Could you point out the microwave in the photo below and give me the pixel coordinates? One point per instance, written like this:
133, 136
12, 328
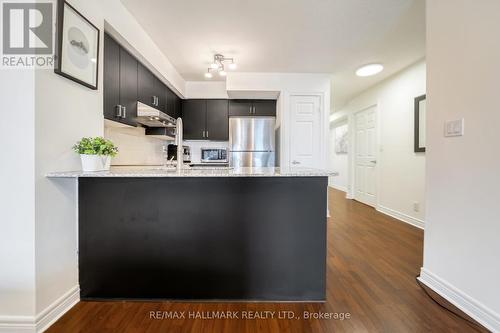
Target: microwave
214, 155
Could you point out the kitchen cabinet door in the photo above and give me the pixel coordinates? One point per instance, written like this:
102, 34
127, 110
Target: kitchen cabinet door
217, 120
111, 76
161, 98
194, 118
240, 107
178, 106
146, 86
128, 87
170, 103
262, 107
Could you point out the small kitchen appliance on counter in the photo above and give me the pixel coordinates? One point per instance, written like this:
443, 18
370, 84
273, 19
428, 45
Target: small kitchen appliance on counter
172, 153
213, 157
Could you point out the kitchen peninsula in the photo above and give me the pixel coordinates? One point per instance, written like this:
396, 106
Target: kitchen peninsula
255, 234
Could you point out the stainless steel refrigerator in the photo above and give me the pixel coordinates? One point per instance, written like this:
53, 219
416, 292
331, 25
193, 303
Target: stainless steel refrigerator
252, 141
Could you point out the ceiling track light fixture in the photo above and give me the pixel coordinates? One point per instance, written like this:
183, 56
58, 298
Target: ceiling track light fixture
218, 66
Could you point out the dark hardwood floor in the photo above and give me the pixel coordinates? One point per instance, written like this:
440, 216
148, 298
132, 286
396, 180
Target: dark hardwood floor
372, 263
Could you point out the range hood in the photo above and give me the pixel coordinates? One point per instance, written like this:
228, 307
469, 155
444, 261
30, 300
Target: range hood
151, 117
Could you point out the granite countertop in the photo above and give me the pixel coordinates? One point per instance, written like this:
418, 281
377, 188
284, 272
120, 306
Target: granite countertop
145, 172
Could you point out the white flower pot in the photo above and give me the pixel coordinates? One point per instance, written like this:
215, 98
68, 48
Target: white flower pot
95, 162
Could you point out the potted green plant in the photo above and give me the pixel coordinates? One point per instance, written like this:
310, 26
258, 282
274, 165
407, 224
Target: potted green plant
95, 153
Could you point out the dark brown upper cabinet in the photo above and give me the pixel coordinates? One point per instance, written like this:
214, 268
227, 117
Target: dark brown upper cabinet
194, 119
120, 83
127, 81
146, 86
206, 119
111, 78
264, 107
240, 107
173, 103
247, 107
159, 92
217, 128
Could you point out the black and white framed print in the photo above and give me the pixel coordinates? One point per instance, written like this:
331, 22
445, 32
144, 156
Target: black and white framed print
77, 51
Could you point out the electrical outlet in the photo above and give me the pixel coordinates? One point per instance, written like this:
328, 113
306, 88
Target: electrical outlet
416, 206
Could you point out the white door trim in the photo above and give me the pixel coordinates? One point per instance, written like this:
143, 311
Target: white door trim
352, 153
324, 128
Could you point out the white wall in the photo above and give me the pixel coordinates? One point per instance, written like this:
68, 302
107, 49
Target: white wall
261, 85
394, 97
42, 216
206, 89
339, 162
462, 247
17, 194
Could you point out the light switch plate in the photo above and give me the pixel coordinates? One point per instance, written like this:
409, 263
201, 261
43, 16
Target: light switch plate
454, 128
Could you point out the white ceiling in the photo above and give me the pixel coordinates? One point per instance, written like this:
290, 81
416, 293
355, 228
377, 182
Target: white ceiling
316, 36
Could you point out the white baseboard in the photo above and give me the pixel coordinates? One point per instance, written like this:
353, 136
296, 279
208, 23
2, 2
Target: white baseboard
464, 302
337, 187
59, 307
38, 324
401, 216
17, 324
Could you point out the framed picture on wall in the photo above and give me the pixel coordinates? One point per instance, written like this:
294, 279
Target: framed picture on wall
77, 48
341, 140
420, 115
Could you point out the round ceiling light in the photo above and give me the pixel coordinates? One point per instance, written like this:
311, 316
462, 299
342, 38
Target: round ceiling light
208, 75
369, 70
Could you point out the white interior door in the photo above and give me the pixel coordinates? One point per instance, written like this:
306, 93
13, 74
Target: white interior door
305, 136
366, 157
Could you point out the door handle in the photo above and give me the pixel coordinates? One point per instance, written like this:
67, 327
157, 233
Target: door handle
295, 162
118, 111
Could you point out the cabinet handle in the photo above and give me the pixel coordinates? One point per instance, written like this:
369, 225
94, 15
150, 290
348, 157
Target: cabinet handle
118, 111
124, 113
203, 134
251, 110
207, 134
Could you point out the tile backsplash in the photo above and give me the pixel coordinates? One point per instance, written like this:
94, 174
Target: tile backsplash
135, 148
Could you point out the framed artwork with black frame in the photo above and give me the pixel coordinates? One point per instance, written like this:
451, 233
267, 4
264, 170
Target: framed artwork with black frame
77, 47
420, 115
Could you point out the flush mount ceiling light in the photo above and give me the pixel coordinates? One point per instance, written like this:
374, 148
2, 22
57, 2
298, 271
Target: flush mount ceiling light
218, 66
369, 70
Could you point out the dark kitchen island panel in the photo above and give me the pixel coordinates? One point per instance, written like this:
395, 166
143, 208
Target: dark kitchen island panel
210, 238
